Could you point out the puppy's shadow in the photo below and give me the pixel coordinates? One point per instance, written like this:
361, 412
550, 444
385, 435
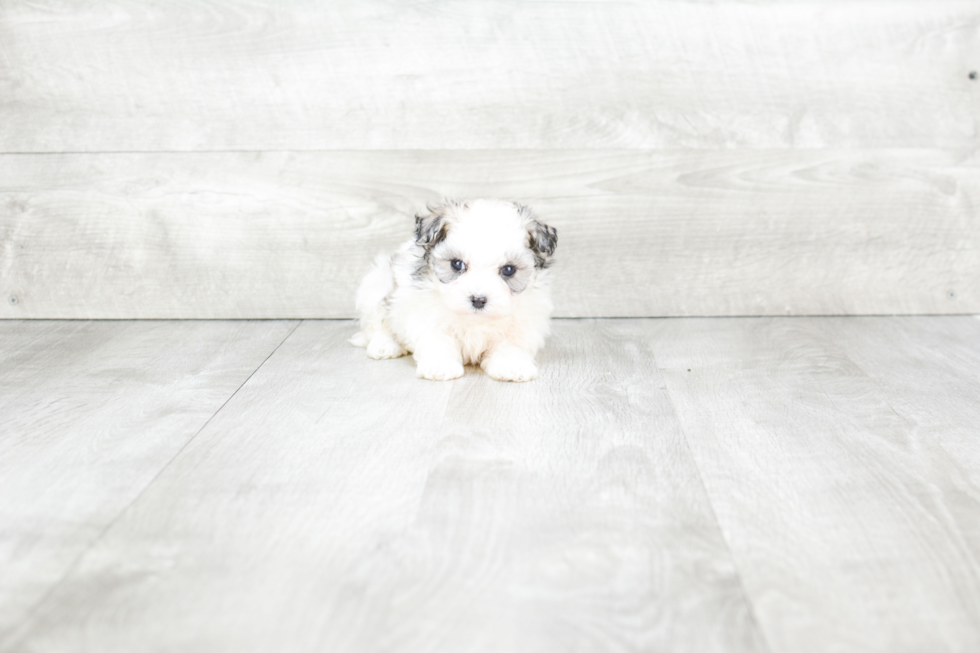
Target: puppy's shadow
473, 370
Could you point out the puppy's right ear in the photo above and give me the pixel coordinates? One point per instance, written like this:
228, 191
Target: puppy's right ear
432, 226
429, 229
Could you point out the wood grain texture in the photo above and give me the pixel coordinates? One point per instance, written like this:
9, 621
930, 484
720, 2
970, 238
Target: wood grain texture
849, 499
222, 75
340, 504
930, 370
89, 415
680, 233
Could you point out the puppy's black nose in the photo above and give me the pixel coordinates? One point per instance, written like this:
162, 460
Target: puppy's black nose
478, 302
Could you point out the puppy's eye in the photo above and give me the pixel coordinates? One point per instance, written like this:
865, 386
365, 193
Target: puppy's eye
508, 270
458, 265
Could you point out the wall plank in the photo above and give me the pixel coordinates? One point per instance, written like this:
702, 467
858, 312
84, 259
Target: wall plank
130, 75
286, 235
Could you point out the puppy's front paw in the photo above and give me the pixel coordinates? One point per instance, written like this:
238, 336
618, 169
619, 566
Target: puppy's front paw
512, 365
438, 370
384, 346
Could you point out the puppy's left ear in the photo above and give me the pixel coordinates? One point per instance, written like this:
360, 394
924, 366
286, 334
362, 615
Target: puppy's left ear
542, 239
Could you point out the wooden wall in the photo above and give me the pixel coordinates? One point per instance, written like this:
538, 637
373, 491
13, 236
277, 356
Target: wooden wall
212, 159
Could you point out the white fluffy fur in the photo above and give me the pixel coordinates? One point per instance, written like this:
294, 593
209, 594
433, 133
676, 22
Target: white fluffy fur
414, 301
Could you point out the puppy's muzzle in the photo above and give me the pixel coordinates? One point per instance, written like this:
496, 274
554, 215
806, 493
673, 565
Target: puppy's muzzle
478, 302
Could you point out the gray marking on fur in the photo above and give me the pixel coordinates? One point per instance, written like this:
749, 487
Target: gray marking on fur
441, 263
524, 266
432, 227
542, 240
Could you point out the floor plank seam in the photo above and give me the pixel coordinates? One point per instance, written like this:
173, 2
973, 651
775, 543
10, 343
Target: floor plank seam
714, 514
28, 617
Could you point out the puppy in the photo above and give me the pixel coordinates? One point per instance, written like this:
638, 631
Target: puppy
471, 287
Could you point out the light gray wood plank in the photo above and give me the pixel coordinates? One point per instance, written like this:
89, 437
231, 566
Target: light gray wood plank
89, 415
221, 75
930, 369
340, 504
853, 527
287, 235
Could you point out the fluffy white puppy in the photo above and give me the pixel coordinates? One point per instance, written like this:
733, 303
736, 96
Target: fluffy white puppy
470, 288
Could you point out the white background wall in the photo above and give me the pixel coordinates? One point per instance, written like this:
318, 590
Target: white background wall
247, 159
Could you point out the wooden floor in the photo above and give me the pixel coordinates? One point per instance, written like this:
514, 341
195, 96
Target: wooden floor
749, 484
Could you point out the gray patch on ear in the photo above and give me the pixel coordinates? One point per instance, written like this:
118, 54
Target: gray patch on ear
542, 239
430, 229
432, 226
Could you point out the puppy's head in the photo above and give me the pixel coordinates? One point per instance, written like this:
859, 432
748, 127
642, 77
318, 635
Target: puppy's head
483, 253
